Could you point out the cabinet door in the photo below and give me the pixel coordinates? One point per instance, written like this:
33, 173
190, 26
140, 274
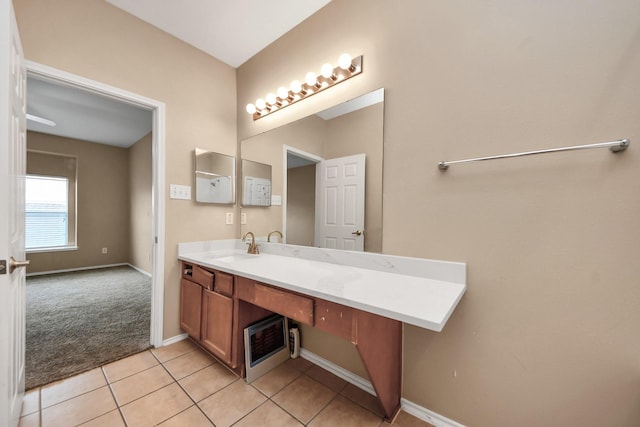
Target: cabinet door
190, 308
217, 316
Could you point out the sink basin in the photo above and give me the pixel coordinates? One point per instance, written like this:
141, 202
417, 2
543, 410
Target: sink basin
231, 256
236, 257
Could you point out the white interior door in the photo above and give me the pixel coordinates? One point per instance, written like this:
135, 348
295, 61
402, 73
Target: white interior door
12, 170
340, 203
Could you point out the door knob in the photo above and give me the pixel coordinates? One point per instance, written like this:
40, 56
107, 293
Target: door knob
357, 233
13, 264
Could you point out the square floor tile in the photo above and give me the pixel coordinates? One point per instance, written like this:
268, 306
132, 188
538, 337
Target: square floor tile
110, 419
276, 379
362, 398
156, 407
129, 365
207, 381
31, 420
192, 417
345, 413
302, 365
80, 409
188, 363
304, 398
268, 415
231, 403
71, 387
326, 378
174, 350
31, 402
140, 384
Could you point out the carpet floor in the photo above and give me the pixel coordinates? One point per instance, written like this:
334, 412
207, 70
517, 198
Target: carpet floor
80, 320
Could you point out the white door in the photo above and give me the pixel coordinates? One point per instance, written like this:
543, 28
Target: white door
12, 170
340, 203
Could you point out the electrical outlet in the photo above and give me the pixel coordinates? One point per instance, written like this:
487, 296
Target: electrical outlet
243, 218
229, 218
105, 250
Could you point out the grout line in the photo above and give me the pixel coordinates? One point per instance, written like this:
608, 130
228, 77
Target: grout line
186, 392
115, 400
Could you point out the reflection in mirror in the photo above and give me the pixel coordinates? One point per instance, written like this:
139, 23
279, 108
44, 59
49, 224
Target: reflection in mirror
294, 150
256, 183
215, 175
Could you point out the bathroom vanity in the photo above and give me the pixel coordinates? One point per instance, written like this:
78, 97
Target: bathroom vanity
361, 297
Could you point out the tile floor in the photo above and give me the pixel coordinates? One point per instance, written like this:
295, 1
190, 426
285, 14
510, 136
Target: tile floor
180, 385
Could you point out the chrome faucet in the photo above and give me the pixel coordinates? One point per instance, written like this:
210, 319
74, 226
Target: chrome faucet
274, 231
253, 248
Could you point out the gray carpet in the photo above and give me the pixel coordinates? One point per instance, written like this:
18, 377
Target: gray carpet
80, 320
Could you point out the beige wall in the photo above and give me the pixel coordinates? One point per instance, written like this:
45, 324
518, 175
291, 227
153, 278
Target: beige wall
95, 40
140, 200
547, 333
102, 203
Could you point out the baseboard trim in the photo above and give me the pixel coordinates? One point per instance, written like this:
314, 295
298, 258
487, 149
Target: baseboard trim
338, 371
427, 415
409, 407
69, 270
139, 270
175, 339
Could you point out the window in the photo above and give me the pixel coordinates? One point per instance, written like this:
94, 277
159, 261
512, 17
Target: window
50, 195
46, 212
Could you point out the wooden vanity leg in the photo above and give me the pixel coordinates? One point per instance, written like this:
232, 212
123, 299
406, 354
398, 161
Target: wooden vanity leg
379, 343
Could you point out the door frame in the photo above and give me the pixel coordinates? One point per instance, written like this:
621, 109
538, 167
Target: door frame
286, 149
158, 175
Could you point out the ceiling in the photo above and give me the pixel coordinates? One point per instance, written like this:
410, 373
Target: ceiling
81, 114
231, 31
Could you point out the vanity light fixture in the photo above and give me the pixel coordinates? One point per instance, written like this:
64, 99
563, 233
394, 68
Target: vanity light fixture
329, 76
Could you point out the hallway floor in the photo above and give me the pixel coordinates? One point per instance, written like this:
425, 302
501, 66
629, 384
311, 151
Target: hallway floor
180, 385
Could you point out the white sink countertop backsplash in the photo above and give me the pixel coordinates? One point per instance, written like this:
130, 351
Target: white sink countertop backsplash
421, 292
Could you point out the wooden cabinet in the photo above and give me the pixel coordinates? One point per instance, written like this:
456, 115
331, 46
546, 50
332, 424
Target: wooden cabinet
334, 318
190, 308
216, 307
289, 304
206, 309
217, 328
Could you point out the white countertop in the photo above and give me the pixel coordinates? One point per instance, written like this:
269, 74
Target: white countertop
417, 291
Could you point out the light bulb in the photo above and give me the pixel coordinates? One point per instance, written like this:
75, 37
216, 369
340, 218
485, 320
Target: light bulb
271, 98
327, 71
260, 104
345, 62
251, 109
310, 78
283, 92
296, 87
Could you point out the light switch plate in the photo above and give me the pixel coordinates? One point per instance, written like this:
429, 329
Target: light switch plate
243, 218
276, 200
180, 192
229, 218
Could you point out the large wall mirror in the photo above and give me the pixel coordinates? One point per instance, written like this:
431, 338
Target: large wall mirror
215, 175
295, 152
256, 183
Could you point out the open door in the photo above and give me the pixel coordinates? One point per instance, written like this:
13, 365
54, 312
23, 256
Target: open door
340, 203
12, 171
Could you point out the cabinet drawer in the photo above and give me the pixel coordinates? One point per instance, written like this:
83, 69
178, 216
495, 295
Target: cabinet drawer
333, 318
287, 303
223, 284
202, 277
